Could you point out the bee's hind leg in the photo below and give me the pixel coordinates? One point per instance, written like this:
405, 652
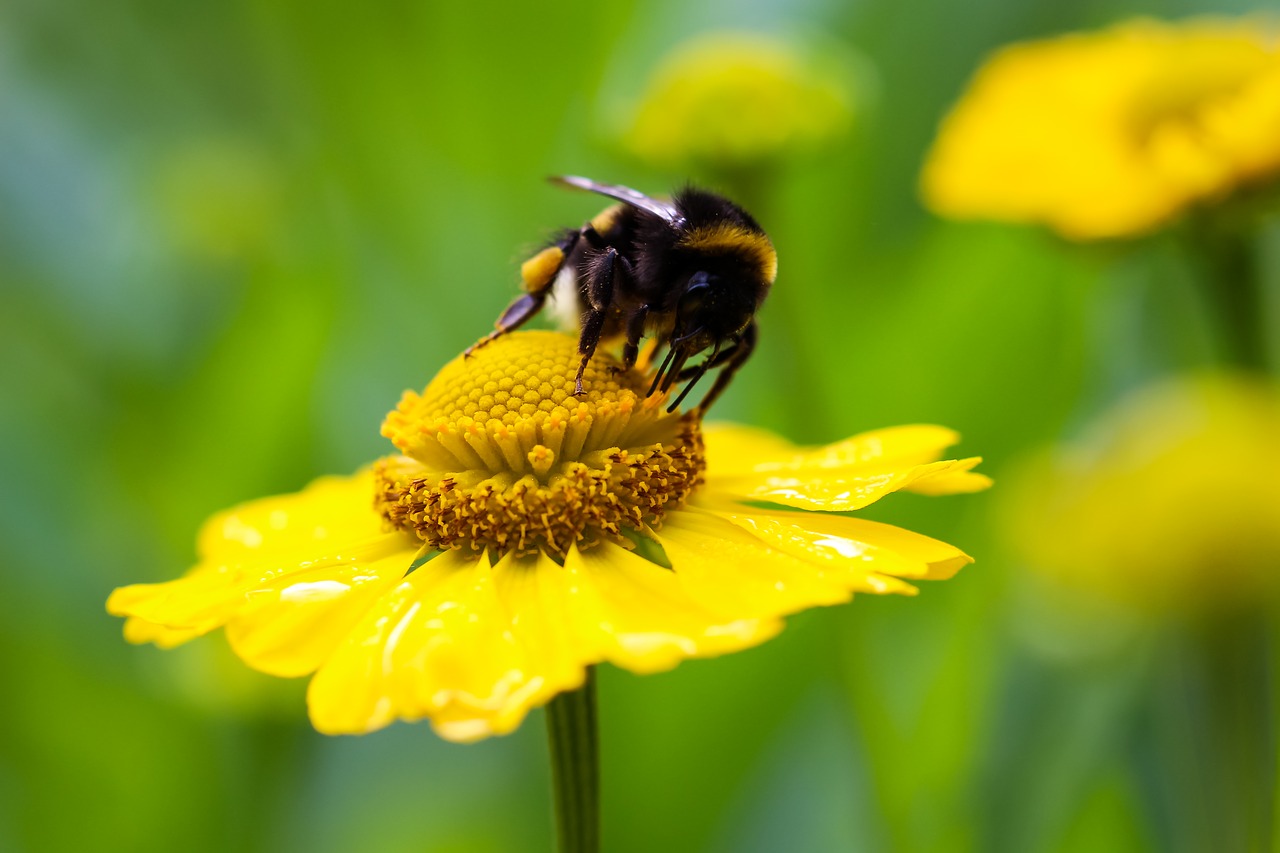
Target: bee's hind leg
537, 276
517, 314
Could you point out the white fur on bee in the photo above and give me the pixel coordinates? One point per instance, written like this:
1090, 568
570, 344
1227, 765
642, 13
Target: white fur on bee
565, 307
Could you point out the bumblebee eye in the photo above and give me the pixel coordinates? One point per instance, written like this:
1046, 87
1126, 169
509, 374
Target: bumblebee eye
695, 295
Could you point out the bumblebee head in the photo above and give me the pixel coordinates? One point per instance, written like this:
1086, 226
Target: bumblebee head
712, 309
724, 266
712, 313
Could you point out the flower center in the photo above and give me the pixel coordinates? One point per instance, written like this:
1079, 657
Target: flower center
499, 454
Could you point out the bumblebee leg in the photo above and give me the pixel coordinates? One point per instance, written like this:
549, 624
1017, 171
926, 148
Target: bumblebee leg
517, 314
635, 330
600, 297
718, 359
740, 352
538, 276
698, 373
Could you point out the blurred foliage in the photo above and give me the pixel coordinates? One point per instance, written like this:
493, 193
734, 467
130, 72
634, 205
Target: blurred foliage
231, 234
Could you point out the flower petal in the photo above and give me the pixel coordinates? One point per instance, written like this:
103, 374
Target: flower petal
329, 511
956, 479
721, 566
900, 446
873, 553
838, 492
838, 477
736, 449
475, 648
195, 604
640, 616
263, 545
288, 625
437, 645
140, 631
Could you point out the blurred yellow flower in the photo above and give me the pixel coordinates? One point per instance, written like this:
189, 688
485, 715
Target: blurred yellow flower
1169, 502
731, 100
476, 576
1113, 133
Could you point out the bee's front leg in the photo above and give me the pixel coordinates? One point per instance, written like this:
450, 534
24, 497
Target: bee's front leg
737, 356
635, 330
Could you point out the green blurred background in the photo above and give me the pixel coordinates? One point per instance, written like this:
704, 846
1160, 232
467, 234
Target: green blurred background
232, 233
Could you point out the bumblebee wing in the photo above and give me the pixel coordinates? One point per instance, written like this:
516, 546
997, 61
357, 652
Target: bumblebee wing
662, 209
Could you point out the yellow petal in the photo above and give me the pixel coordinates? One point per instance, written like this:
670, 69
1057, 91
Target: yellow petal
602, 604
865, 548
196, 603
736, 449
640, 616
545, 601
901, 446
838, 491
329, 511
953, 480
260, 546
474, 648
838, 477
723, 567
289, 624
141, 631
436, 645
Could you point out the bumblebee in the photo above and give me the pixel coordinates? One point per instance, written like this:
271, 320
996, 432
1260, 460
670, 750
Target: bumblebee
690, 272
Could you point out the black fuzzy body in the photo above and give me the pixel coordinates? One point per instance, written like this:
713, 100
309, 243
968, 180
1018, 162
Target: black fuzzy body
690, 273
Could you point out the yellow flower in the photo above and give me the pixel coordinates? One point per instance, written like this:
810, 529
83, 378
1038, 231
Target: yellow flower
475, 576
1171, 502
1114, 133
729, 100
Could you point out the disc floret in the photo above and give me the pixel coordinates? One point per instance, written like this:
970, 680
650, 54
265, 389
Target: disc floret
499, 454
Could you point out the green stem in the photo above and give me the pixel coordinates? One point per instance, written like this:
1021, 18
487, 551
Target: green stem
575, 767
1241, 734
1236, 288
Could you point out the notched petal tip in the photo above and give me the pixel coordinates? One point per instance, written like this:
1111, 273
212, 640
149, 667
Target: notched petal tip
943, 570
842, 476
868, 556
140, 632
956, 479
197, 602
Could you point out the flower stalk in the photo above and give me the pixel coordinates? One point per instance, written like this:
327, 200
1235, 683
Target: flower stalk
573, 737
1236, 289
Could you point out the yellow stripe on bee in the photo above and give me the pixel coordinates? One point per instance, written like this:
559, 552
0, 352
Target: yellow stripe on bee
727, 237
604, 220
539, 271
